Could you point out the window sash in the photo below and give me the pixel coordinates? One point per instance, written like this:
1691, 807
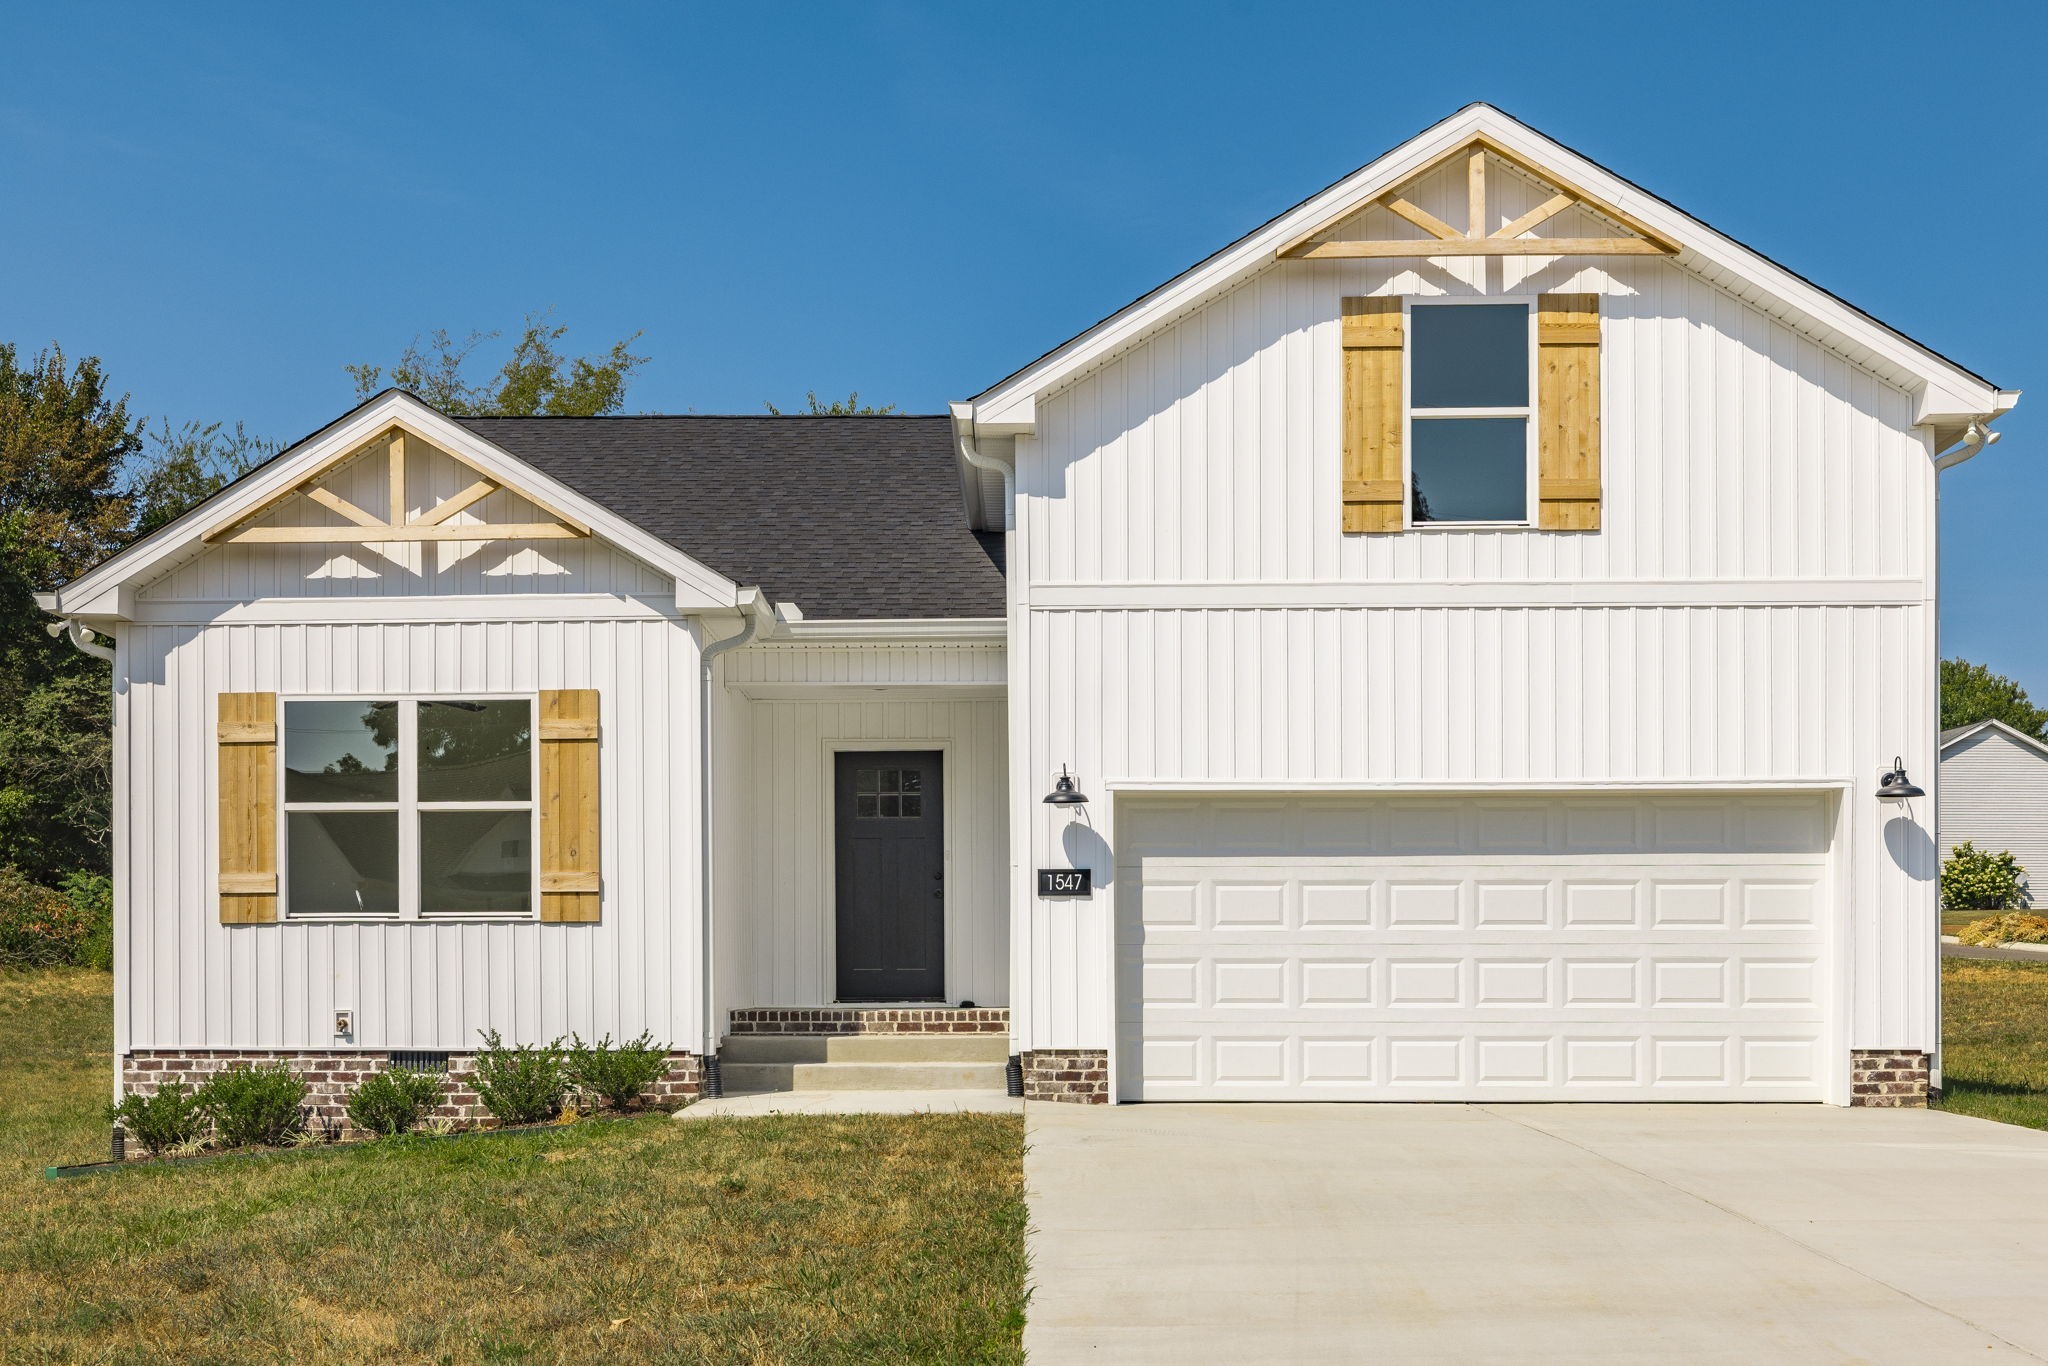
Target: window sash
409, 809
1412, 414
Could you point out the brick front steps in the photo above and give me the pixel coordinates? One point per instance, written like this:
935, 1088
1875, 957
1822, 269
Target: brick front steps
868, 1020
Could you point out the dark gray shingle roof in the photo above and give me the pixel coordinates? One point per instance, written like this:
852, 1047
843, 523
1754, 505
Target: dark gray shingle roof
848, 517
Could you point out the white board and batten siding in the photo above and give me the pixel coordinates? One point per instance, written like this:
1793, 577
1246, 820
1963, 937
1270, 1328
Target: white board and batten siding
1193, 619
246, 618
1994, 794
789, 709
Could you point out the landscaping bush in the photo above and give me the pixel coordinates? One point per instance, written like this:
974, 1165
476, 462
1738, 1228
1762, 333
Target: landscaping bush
1972, 880
2014, 927
395, 1100
251, 1105
92, 902
164, 1122
41, 928
617, 1073
522, 1085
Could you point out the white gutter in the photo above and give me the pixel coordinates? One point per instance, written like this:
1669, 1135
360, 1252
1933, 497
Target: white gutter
754, 611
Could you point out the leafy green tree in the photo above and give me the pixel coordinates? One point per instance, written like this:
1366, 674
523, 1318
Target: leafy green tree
850, 406
188, 465
1971, 693
536, 379
64, 442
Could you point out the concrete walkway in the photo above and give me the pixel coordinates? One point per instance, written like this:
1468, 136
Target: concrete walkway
1599, 1233
850, 1103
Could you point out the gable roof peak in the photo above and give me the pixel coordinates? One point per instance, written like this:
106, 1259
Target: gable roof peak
1949, 396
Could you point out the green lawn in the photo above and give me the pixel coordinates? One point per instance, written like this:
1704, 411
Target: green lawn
801, 1238
1995, 1040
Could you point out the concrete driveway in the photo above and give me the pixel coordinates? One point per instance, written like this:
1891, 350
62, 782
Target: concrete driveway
1592, 1233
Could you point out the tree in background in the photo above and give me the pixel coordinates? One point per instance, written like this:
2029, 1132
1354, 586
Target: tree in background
850, 406
1971, 693
536, 379
64, 439
79, 478
188, 465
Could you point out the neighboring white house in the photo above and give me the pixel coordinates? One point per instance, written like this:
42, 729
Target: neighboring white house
1477, 606
1994, 794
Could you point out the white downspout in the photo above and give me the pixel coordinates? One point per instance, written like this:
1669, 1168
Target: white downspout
753, 605
1015, 721
82, 637
1976, 437
973, 455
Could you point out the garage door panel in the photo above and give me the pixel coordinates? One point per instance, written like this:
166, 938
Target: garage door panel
1510, 948
1415, 1061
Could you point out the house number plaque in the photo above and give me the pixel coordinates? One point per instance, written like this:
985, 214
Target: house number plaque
1062, 883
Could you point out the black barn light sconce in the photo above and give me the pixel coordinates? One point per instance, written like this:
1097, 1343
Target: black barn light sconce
1064, 793
1892, 786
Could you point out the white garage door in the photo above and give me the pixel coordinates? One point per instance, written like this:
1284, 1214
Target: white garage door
1534, 948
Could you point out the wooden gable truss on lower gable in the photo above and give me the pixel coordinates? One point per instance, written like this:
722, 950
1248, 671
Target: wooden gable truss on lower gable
395, 522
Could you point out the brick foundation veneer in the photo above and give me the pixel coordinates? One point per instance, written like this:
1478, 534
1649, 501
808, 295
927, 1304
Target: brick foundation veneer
1889, 1078
330, 1075
869, 1020
1079, 1076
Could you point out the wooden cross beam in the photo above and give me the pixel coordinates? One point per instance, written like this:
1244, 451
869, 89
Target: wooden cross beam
365, 528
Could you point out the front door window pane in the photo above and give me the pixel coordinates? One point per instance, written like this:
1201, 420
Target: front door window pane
341, 751
342, 862
476, 751
1469, 469
476, 861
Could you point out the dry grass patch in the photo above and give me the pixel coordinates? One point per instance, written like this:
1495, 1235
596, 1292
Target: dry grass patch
1995, 1040
786, 1238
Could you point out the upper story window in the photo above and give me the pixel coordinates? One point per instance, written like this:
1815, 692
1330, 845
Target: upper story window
409, 807
1468, 413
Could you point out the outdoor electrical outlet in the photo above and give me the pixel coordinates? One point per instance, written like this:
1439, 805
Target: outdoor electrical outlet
344, 1023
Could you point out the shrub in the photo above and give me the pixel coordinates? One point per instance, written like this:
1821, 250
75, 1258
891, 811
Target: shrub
92, 902
394, 1101
522, 1085
38, 927
1972, 880
168, 1121
2014, 927
617, 1074
254, 1105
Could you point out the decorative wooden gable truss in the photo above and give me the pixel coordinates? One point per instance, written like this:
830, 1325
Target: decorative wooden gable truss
396, 521
1474, 239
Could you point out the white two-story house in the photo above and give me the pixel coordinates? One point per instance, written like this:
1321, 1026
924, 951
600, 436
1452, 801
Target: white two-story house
1477, 606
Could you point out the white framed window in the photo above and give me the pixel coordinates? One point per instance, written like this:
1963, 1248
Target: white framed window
1470, 399
408, 807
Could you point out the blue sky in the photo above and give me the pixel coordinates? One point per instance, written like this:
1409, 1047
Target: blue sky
227, 203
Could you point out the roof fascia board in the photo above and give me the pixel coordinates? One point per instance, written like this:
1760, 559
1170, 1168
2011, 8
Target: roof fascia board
1997, 727
697, 585
1945, 389
921, 630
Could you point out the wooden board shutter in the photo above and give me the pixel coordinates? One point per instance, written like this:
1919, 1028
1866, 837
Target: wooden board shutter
569, 888
1373, 486
1568, 412
246, 739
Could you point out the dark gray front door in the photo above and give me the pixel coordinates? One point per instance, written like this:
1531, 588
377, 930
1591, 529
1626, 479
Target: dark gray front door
891, 878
